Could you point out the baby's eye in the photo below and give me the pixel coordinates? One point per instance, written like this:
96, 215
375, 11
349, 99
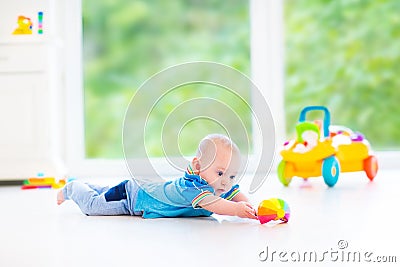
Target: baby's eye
232, 177
220, 173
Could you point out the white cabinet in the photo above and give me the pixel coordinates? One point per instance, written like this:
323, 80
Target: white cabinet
30, 120
27, 111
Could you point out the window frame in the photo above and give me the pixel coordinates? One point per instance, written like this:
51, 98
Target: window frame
267, 72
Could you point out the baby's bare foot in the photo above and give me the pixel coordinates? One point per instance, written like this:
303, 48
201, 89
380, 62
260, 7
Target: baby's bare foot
60, 197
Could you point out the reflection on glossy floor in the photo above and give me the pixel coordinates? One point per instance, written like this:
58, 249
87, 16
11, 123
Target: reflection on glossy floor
355, 217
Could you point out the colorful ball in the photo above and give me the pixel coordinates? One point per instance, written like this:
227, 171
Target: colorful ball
273, 209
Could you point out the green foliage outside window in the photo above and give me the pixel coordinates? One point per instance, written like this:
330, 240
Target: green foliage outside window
340, 53
345, 54
128, 41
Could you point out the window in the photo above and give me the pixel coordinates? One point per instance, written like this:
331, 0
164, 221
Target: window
331, 58
127, 41
251, 30
344, 55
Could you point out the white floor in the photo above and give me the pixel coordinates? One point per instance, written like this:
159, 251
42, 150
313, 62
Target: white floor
34, 231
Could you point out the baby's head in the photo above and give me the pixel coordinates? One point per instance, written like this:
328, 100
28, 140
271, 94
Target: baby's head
217, 161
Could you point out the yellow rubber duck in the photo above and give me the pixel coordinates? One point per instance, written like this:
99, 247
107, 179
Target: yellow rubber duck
24, 25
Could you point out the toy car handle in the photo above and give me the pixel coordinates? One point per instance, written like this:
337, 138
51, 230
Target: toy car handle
327, 117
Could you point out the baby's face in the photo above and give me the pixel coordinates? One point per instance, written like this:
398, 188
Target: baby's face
221, 172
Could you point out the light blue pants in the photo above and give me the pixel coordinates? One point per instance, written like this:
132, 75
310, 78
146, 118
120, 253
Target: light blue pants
100, 200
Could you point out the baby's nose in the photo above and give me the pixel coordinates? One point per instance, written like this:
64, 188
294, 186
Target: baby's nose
224, 181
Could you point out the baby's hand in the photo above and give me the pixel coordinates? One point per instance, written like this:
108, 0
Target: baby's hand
245, 210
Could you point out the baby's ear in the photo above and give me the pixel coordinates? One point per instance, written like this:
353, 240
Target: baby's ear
196, 165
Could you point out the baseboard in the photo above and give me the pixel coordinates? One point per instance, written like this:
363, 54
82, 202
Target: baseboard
11, 182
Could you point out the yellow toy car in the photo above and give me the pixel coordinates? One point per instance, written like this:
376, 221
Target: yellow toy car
325, 150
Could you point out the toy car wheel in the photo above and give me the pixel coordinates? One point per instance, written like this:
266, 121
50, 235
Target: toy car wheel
281, 174
330, 170
371, 167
